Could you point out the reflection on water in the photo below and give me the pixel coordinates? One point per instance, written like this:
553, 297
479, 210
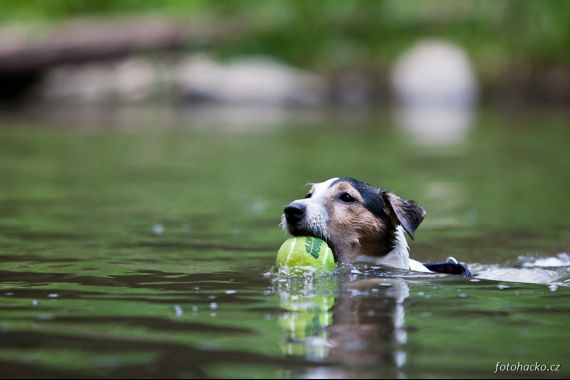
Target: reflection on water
308, 304
344, 319
140, 251
353, 324
369, 326
435, 124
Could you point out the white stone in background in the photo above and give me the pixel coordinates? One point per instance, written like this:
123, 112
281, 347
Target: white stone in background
437, 90
136, 79
251, 81
435, 72
125, 81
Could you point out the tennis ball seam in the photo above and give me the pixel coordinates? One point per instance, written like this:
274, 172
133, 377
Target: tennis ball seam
326, 255
291, 250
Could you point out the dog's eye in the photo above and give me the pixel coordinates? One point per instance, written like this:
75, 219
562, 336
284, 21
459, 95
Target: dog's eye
346, 197
309, 195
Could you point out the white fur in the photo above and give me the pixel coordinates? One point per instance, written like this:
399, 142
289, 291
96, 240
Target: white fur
320, 189
316, 213
416, 266
399, 256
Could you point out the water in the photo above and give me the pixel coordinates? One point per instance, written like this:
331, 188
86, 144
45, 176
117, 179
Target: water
142, 246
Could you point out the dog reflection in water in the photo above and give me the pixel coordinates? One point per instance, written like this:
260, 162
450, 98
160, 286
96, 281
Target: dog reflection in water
356, 323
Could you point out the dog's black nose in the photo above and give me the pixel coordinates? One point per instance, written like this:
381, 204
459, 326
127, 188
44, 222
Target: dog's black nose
294, 212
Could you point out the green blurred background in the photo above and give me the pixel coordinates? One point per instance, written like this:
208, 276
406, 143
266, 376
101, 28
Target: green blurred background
327, 33
522, 46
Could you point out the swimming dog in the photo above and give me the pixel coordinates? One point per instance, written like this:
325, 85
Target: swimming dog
361, 222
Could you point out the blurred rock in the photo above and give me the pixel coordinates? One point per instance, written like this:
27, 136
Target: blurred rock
435, 72
255, 80
437, 90
194, 79
127, 81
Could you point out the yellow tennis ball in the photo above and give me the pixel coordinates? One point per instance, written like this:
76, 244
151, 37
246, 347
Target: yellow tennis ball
306, 251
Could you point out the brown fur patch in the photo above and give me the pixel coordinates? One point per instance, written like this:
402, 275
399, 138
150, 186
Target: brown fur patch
354, 230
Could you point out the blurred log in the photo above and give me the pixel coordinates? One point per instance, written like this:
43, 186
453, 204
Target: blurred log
26, 56
89, 40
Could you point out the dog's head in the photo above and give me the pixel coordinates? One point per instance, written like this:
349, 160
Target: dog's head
353, 217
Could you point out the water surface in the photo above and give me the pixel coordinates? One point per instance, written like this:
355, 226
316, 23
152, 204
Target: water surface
143, 247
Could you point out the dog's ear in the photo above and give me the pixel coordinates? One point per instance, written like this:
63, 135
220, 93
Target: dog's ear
408, 213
